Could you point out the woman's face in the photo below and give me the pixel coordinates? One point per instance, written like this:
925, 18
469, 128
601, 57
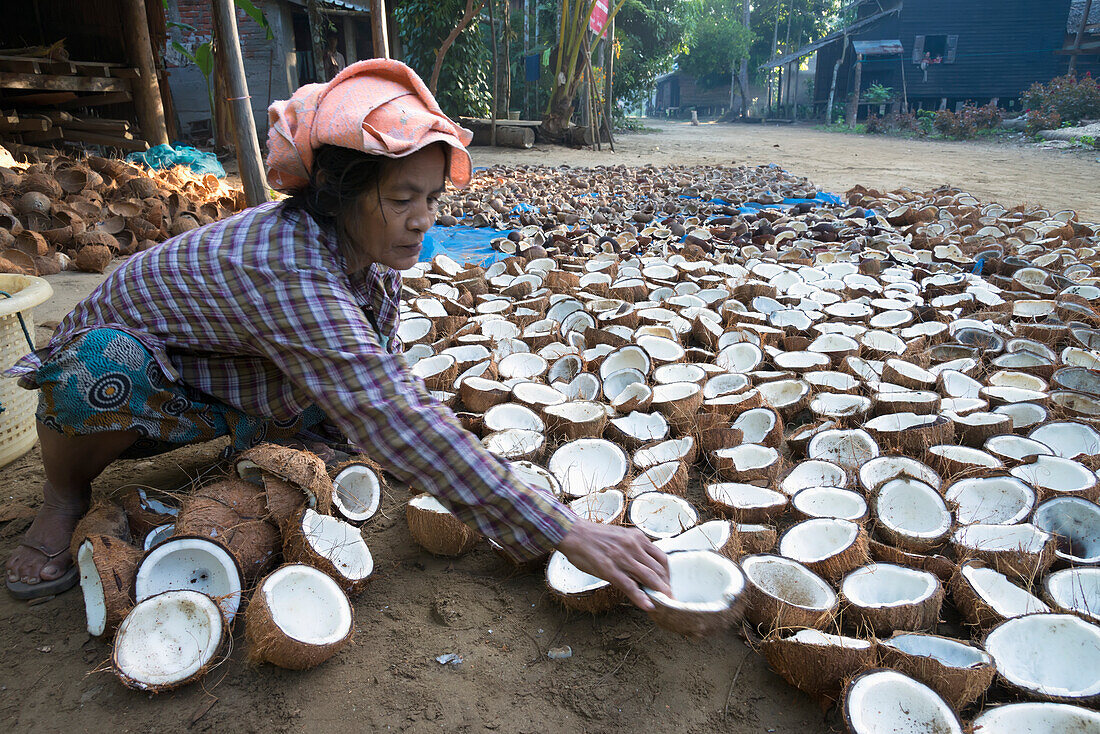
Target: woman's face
389, 222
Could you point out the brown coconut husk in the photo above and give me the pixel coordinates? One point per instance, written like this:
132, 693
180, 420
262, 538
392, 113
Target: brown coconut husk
253, 542
105, 518
240, 496
267, 643
297, 549
116, 562
971, 605
303, 469
595, 601
960, 687
759, 541
839, 564
93, 258
282, 500
479, 401
140, 516
819, 670
696, 625
773, 613
943, 568
439, 534
1012, 563
917, 617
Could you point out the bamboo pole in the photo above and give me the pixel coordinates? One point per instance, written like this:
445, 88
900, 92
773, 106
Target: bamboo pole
496, 79
1079, 36
379, 32
244, 126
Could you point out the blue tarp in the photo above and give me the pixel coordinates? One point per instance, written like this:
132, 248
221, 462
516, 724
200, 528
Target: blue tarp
165, 156
471, 244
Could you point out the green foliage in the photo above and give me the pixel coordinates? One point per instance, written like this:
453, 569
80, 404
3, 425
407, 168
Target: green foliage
714, 43
650, 34
1088, 141
1071, 99
810, 20
1042, 119
878, 94
257, 15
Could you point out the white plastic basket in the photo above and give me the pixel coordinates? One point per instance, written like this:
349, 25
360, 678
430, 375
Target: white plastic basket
17, 425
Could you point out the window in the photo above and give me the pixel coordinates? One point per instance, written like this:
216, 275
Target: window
935, 49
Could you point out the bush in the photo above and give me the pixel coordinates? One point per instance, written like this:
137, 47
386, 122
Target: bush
1071, 99
968, 122
1042, 119
895, 122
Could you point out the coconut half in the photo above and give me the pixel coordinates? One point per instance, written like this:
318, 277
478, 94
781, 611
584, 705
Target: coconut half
715, 535
887, 597
819, 663
986, 597
1037, 718
881, 700
783, 593
194, 564
812, 473
578, 590
957, 671
1068, 439
1076, 591
1054, 476
332, 546
589, 465
843, 504
661, 515
1054, 657
746, 502
996, 500
300, 468
435, 529
1075, 524
167, 640
107, 568
1021, 550
708, 594
607, 507
877, 472
827, 546
912, 515
746, 463
298, 618
850, 449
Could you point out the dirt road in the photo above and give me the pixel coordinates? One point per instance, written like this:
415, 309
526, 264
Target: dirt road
624, 675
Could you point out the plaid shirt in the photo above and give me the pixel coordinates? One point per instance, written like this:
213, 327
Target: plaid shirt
257, 311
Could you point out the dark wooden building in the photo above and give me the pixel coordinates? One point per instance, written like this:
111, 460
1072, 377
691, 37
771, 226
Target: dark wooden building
951, 51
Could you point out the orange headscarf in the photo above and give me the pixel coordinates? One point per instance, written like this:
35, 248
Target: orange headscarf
378, 106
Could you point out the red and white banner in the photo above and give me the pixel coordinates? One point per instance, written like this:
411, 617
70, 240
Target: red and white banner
599, 17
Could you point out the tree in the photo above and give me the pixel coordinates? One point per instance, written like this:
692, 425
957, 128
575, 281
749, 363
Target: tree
650, 34
715, 42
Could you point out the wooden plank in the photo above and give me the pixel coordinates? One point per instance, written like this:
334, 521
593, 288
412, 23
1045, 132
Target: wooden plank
15, 124
44, 136
95, 125
94, 100
125, 142
11, 80
41, 99
468, 121
19, 57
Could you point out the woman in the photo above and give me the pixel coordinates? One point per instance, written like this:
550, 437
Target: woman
283, 318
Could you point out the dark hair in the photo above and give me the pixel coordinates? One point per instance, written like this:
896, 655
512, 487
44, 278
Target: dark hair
340, 176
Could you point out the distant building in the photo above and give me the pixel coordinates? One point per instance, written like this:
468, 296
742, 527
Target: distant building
677, 93
943, 53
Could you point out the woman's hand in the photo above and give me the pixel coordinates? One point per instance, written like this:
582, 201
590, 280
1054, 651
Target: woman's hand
622, 556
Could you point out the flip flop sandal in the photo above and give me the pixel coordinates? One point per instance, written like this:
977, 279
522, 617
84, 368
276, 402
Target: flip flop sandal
45, 587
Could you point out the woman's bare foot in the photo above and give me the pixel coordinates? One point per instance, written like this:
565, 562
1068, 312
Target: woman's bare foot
70, 464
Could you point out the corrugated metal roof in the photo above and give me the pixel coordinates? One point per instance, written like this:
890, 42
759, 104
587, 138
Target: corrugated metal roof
348, 5
832, 37
878, 48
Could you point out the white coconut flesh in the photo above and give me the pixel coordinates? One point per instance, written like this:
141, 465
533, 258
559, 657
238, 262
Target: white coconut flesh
746, 496
1056, 655
813, 473
1015, 448
511, 415
847, 448
1075, 522
789, 581
839, 405
877, 472
741, 357
654, 479
588, 465
661, 515
642, 426
725, 384
584, 386
1056, 474
357, 493
661, 350
307, 605
967, 456
711, 535
340, 543
1037, 718
1023, 415
783, 393
1075, 590
701, 581
95, 603
523, 364
604, 507
534, 475
615, 383
193, 564
629, 357
815, 540
535, 393
952, 653
748, 457
672, 373
912, 508
514, 443
835, 502
880, 585
996, 500
825, 639
1004, 597
1023, 538
957, 385
168, 638
671, 450
900, 422
675, 392
755, 424
158, 535
887, 701
566, 579
1068, 439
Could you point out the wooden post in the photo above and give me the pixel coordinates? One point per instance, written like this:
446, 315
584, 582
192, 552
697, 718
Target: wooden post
316, 39
1077, 39
496, 76
146, 89
244, 126
379, 31
853, 106
608, 84
832, 86
904, 89
350, 48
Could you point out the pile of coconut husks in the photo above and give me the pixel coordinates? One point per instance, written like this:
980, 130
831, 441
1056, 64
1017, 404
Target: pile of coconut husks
79, 213
866, 435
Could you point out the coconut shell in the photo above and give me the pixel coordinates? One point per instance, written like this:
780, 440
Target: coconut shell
104, 518
916, 617
1012, 563
772, 613
696, 625
439, 534
116, 563
759, 541
303, 469
941, 567
254, 543
839, 564
240, 496
93, 258
960, 687
282, 500
267, 643
296, 549
973, 608
819, 670
140, 516
595, 601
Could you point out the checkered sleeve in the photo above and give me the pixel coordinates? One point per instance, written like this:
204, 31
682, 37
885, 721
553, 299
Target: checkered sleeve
311, 327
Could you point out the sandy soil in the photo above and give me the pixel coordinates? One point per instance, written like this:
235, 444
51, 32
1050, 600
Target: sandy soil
624, 675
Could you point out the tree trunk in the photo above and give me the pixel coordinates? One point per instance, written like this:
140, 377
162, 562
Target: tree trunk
317, 38
467, 17
507, 80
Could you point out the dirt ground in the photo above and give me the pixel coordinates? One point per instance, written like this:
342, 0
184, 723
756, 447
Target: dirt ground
624, 674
